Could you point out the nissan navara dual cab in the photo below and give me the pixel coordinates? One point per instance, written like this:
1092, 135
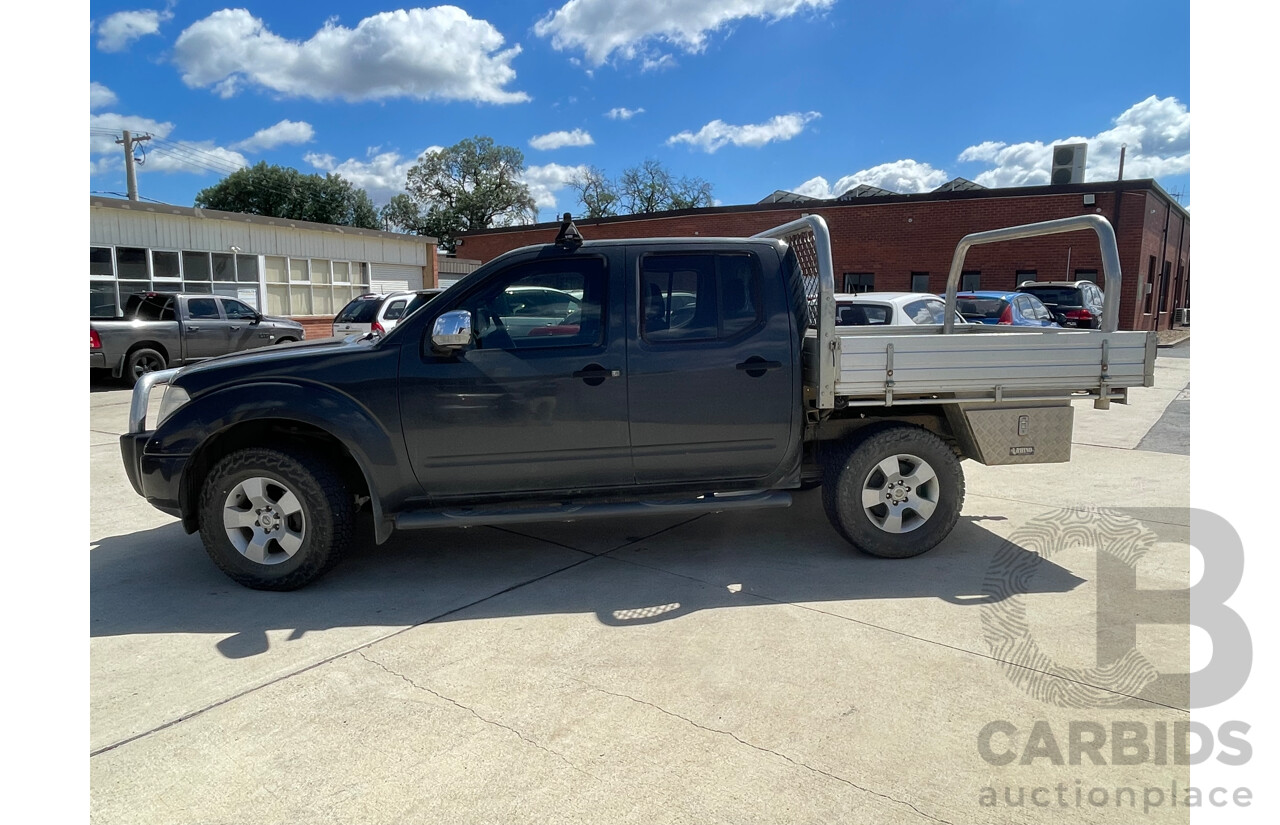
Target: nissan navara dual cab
673, 375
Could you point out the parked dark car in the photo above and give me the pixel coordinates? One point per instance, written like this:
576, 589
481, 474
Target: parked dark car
1073, 303
162, 329
1004, 308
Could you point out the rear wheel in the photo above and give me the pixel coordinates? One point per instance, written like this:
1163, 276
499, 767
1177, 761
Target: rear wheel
895, 493
274, 520
140, 362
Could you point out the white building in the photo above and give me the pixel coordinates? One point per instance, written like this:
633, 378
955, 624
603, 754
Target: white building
282, 267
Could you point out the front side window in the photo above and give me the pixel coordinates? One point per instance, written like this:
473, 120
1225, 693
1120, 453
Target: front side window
557, 303
238, 310
699, 296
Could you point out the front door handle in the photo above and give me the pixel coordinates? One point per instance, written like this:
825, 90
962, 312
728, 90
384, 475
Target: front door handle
593, 375
233, 329
193, 329
755, 366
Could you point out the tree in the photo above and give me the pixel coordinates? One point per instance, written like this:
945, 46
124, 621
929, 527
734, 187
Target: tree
471, 185
597, 194
401, 214
649, 187
282, 192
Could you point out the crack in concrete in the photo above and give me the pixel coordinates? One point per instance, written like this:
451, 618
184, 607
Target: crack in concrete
762, 749
474, 713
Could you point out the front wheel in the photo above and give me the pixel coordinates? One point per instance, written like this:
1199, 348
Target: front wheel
895, 493
274, 520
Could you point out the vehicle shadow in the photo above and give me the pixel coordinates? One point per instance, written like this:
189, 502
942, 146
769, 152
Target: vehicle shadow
633, 572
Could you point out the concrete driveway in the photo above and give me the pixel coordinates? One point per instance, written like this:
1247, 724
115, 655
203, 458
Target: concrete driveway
726, 668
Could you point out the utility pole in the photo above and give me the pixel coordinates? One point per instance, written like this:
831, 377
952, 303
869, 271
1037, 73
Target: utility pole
130, 175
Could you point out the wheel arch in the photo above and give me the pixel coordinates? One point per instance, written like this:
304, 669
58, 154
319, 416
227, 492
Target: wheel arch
310, 419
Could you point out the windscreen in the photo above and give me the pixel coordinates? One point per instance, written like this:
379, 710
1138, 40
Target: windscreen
1058, 296
979, 309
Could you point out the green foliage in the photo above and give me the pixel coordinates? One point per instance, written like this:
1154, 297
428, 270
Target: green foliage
471, 185
401, 214
282, 192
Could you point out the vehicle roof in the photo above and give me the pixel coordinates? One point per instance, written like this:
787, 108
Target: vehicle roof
1056, 283
884, 297
1004, 294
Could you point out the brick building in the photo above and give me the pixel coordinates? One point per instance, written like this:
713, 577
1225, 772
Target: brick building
885, 241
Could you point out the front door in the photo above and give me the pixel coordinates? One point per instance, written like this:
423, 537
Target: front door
713, 389
539, 403
207, 332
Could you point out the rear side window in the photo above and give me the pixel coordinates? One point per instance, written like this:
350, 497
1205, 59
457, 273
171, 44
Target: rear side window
359, 311
396, 309
862, 315
699, 296
926, 311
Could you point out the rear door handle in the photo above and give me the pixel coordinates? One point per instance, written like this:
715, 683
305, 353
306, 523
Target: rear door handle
593, 374
755, 366
193, 329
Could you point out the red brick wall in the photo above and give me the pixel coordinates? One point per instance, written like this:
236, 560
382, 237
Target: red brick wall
892, 240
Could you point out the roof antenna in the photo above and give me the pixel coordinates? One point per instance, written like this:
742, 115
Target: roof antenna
569, 236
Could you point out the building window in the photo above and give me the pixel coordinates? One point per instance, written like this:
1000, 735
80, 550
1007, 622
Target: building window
1164, 288
100, 265
919, 281
1151, 284
970, 281
314, 286
1090, 275
131, 263
224, 266
164, 265
859, 282
195, 266
1022, 276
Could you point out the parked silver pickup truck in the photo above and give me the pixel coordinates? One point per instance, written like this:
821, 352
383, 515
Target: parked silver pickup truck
161, 330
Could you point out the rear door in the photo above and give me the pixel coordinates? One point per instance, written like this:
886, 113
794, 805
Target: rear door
527, 409
712, 385
206, 331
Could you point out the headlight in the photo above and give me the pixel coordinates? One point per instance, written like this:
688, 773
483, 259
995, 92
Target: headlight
174, 397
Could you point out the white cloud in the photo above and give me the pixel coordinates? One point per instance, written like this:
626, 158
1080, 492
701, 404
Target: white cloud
545, 181
100, 96
623, 113
639, 28
116, 32
902, 176
382, 175
1157, 132
439, 53
717, 133
558, 140
284, 132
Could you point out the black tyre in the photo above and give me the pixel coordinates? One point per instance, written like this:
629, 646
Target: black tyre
286, 340
894, 493
140, 362
275, 520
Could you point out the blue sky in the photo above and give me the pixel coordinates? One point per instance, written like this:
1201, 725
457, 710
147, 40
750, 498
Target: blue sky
812, 96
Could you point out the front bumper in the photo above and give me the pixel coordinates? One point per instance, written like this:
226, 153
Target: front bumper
157, 478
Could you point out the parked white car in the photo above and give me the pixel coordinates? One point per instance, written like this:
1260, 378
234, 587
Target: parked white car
890, 309
378, 312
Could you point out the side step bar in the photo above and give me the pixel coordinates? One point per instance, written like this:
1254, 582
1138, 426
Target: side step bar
477, 516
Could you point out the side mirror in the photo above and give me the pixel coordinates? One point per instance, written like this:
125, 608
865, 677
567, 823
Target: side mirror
257, 318
452, 331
